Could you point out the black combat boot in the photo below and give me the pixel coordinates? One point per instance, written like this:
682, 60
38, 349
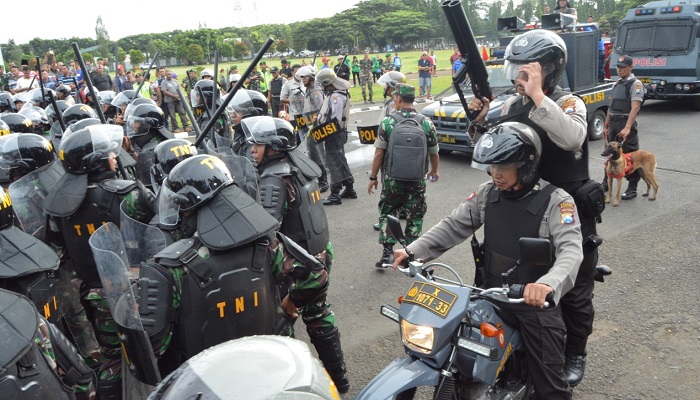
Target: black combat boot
334, 198
387, 256
574, 367
323, 180
331, 354
631, 191
349, 192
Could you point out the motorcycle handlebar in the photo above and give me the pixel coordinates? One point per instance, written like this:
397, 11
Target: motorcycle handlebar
514, 294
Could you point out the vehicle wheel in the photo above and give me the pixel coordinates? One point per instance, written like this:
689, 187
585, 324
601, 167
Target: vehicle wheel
595, 125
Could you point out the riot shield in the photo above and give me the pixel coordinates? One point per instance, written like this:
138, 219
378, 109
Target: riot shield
141, 241
28, 194
112, 265
244, 174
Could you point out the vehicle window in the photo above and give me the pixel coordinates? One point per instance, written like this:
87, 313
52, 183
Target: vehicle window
665, 37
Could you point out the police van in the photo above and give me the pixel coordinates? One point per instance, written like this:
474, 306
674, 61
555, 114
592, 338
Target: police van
580, 77
663, 38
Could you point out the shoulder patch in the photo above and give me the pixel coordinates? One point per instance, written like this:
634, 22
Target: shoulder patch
566, 212
569, 105
638, 86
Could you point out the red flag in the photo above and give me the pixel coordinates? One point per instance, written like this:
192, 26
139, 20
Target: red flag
484, 53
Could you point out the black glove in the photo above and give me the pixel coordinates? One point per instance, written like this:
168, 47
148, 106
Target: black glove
147, 198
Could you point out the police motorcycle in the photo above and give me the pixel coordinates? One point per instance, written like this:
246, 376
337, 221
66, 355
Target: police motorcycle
457, 338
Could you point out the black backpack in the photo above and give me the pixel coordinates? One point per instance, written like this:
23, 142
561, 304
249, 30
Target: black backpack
406, 158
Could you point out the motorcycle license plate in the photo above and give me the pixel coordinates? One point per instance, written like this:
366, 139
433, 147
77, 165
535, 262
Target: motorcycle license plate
431, 297
447, 138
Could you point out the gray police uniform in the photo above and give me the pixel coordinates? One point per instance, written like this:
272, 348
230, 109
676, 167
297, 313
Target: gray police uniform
335, 105
553, 217
560, 121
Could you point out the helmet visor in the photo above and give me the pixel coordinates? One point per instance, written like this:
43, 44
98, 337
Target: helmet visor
9, 152
259, 129
511, 70
168, 206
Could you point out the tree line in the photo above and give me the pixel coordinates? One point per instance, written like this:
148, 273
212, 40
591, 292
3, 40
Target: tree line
370, 24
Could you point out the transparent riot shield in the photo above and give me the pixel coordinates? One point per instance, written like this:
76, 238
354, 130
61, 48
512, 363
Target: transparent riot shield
113, 266
244, 174
28, 194
141, 241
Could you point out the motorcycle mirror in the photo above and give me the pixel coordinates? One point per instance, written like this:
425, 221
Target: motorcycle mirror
535, 252
395, 229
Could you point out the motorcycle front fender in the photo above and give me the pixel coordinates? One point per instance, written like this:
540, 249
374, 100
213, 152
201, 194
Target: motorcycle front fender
402, 374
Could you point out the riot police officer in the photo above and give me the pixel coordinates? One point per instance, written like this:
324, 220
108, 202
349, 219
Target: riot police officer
290, 193
36, 360
85, 197
166, 155
336, 109
223, 228
245, 104
18, 123
536, 61
511, 206
145, 128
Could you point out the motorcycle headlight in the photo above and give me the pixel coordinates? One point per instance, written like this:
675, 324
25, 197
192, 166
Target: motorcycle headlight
417, 337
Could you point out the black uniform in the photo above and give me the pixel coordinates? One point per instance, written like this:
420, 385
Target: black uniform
275, 87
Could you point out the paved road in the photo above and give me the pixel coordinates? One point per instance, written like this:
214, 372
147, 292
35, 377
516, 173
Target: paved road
647, 329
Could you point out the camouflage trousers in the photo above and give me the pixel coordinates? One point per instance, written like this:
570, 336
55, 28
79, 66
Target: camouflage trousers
366, 80
317, 315
106, 330
398, 195
74, 315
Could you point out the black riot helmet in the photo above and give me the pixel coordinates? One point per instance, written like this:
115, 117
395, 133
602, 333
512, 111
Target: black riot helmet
207, 87
124, 98
167, 155
7, 214
18, 123
83, 123
6, 103
51, 112
274, 132
87, 150
510, 143
145, 118
194, 181
38, 117
543, 46
23, 153
246, 103
136, 102
62, 92
76, 112
37, 98
4, 128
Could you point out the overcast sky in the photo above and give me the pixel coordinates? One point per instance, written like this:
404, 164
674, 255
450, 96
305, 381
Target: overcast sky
57, 20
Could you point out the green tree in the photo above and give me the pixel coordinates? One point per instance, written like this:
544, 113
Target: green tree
195, 53
240, 50
136, 56
226, 50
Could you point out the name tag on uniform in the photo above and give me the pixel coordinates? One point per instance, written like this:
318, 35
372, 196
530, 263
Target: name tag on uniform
368, 134
325, 131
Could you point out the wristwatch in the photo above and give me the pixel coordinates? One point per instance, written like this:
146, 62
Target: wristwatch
372, 178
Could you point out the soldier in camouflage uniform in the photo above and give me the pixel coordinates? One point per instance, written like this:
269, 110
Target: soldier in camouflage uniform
3, 78
388, 64
366, 71
398, 194
189, 81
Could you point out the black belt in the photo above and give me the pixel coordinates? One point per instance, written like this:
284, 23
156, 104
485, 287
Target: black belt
616, 117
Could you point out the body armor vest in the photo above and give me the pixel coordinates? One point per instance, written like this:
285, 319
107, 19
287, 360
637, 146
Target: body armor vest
99, 206
622, 97
502, 236
230, 294
557, 166
305, 221
26, 375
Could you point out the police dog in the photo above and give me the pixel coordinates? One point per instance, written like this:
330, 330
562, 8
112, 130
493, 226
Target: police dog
620, 164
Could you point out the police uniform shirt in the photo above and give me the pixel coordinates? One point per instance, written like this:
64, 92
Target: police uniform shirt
560, 224
636, 89
291, 90
564, 120
336, 106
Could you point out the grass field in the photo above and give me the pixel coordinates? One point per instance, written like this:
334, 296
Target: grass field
409, 67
